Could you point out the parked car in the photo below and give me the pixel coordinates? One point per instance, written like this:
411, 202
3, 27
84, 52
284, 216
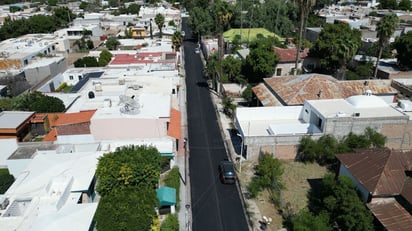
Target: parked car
227, 172
197, 50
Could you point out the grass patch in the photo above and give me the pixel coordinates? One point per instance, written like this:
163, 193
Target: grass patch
295, 179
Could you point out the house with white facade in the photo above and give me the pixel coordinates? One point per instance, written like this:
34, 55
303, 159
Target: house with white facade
278, 130
54, 189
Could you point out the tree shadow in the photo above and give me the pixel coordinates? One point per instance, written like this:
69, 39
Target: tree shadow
202, 84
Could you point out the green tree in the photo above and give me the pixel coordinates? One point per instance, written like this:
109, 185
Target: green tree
83, 5
105, 57
86, 62
247, 94
229, 107
52, 2
231, 68
304, 7
126, 209
376, 139
63, 16
404, 5
222, 13
306, 221
42, 24
403, 46
388, 4
261, 61
200, 21
171, 223
386, 27
160, 22
339, 198
37, 102
336, 46
131, 166
133, 9
5, 104
177, 40
268, 174
112, 43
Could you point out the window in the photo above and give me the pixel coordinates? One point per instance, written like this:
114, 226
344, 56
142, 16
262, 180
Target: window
80, 77
278, 71
53, 47
71, 77
26, 62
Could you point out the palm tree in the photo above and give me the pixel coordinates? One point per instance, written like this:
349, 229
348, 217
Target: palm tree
223, 15
385, 28
160, 21
305, 6
177, 40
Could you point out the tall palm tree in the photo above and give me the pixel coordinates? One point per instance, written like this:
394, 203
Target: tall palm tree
160, 21
223, 14
177, 40
386, 27
305, 6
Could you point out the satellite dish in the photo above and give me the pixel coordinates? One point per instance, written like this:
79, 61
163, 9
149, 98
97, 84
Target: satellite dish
130, 105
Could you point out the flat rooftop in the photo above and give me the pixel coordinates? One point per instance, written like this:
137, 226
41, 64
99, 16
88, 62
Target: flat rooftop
13, 119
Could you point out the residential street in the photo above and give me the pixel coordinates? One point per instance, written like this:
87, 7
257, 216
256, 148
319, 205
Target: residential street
214, 206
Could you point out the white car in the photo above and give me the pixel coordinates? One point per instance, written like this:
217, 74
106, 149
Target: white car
197, 50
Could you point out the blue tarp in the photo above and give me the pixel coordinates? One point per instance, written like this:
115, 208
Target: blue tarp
166, 196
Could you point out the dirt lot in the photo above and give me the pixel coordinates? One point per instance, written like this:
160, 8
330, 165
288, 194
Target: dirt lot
295, 180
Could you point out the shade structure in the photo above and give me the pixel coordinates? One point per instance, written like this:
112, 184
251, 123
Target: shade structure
166, 196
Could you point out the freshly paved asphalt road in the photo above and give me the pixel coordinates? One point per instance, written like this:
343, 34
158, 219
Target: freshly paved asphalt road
215, 207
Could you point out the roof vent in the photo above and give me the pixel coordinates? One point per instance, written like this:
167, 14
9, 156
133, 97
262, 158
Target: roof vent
91, 95
356, 114
368, 92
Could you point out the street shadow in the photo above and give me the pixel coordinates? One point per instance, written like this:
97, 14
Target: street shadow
236, 140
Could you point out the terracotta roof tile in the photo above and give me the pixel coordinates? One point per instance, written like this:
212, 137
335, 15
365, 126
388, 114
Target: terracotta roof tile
381, 171
391, 215
175, 127
51, 136
73, 118
294, 90
265, 96
287, 55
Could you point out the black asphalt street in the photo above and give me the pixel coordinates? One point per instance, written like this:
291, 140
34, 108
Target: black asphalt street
215, 207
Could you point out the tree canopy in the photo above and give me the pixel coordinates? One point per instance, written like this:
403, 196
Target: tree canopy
261, 61
104, 58
338, 198
336, 46
160, 22
137, 166
403, 46
37, 102
386, 27
127, 209
268, 174
323, 150
126, 180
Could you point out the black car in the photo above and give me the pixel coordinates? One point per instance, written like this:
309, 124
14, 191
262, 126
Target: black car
227, 172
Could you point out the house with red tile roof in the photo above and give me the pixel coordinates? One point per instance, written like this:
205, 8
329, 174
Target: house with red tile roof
294, 90
287, 58
383, 178
64, 124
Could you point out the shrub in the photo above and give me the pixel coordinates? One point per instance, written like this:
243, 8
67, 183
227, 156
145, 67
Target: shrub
172, 180
171, 223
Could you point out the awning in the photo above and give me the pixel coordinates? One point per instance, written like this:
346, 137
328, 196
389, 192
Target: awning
166, 196
170, 154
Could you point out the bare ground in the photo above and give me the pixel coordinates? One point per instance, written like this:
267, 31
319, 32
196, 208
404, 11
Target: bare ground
294, 195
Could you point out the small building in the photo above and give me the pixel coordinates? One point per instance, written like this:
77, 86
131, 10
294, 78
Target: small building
287, 59
278, 130
15, 124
